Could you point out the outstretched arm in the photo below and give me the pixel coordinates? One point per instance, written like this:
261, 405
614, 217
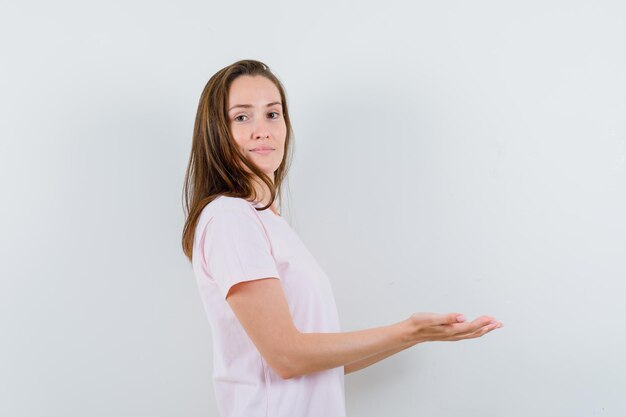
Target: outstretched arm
261, 308
364, 363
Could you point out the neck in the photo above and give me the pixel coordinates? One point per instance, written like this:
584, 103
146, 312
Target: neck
263, 192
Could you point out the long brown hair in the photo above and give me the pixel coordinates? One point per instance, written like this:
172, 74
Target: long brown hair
216, 165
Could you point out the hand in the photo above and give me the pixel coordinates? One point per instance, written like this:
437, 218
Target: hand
430, 327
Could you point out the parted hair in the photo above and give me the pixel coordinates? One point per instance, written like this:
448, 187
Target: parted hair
216, 165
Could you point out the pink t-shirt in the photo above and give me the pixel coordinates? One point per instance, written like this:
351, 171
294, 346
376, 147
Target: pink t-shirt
234, 242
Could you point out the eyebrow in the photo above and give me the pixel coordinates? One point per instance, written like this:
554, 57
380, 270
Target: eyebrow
247, 106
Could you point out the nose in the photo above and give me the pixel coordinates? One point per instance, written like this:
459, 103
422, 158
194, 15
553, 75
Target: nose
261, 129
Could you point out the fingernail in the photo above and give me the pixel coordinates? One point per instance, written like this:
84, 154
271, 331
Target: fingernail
460, 318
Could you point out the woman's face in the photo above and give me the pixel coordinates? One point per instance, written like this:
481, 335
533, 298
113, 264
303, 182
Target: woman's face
255, 116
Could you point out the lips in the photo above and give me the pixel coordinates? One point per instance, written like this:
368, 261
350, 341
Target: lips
262, 148
262, 151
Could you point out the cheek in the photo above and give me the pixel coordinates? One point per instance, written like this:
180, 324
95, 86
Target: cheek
281, 133
238, 135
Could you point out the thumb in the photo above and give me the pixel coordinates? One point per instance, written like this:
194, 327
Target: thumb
452, 318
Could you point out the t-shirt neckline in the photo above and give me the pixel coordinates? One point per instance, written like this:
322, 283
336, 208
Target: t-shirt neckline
267, 209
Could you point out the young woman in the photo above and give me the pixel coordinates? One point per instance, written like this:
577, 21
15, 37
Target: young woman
277, 346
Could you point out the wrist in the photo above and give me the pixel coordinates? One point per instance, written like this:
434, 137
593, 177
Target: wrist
410, 332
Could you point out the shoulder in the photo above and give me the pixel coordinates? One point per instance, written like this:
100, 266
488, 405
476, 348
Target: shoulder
225, 206
230, 212
225, 203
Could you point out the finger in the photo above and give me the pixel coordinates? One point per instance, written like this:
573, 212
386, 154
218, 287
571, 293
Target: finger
484, 318
477, 333
484, 330
463, 329
455, 320
482, 321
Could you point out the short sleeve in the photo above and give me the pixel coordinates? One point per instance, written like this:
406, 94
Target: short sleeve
236, 248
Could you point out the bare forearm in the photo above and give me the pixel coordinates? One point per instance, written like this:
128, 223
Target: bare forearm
364, 363
314, 352
304, 353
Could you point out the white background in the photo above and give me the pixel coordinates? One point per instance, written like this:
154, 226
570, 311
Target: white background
450, 156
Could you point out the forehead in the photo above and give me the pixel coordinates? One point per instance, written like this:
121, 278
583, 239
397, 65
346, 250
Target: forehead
252, 90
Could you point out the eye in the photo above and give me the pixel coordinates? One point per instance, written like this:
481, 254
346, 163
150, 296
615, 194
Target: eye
276, 113
241, 115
